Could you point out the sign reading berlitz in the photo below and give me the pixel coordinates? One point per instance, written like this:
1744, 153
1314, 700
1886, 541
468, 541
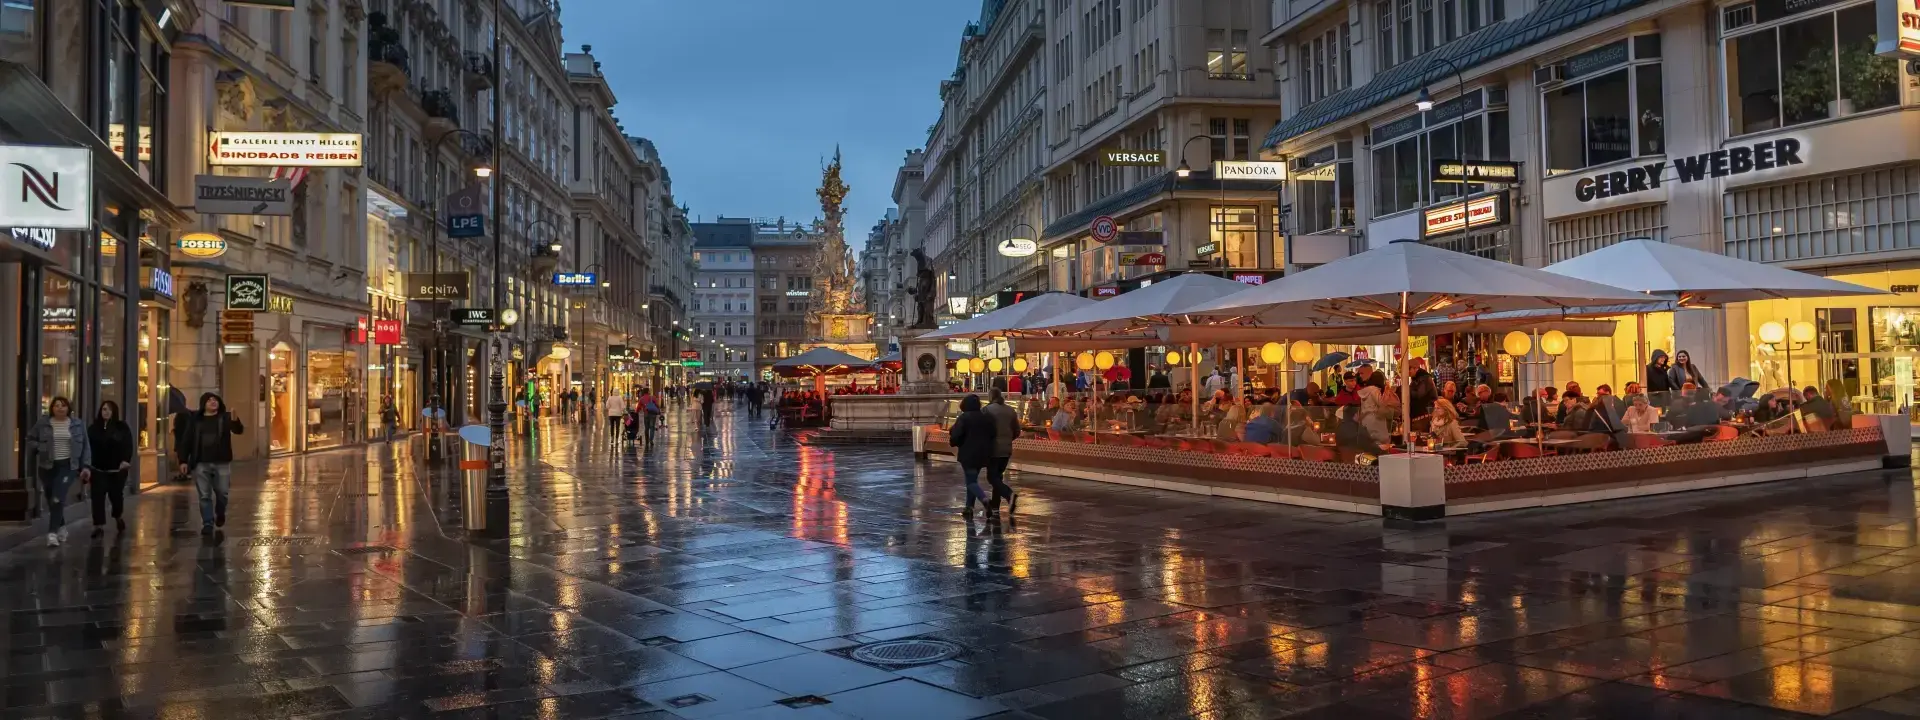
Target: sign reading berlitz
281, 149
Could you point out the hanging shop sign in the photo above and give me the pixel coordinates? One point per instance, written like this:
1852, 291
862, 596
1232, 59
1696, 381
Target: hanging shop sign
1207, 249
42, 238
473, 317
1475, 171
358, 335
466, 212
117, 139
248, 292
46, 187
1142, 259
616, 352
1018, 247
387, 331
446, 285
160, 282
1141, 237
1250, 170
1899, 29
203, 245
237, 195
1485, 211
1250, 278
799, 293
1010, 298
1104, 229
285, 149
236, 326
1141, 158
281, 304
576, 279
986, 304
1106, 291
689, 354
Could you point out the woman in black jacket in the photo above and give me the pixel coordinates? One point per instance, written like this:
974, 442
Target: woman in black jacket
113, 454
972, 438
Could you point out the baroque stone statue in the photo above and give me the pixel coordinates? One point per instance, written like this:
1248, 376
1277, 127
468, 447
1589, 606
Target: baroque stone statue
922, 291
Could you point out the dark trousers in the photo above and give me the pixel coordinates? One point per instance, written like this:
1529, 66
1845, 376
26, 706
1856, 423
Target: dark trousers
107, 489
997, 477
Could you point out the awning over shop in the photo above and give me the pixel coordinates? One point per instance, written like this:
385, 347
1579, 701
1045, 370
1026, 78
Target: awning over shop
31, 114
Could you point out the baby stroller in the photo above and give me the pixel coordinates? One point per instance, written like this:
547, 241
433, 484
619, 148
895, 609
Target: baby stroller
632, 425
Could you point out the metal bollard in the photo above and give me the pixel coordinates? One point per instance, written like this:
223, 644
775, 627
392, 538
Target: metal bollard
473, 499
919, 442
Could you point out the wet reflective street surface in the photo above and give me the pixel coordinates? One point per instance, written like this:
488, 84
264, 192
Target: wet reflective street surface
732, 574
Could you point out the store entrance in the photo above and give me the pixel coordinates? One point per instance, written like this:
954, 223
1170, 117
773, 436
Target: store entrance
283, 418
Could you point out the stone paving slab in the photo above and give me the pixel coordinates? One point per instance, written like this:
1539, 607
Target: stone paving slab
736, 574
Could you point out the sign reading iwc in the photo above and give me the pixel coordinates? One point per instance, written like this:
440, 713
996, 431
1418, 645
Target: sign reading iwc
280, 149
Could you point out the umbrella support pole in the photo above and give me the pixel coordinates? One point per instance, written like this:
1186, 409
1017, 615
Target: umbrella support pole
1406, 380
1640, 323
1193, 375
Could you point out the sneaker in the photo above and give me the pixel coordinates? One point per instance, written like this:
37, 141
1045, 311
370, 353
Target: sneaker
63, 534
53, 540
220, 519
206, 529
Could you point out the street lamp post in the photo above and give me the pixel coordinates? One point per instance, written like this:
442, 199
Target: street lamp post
498, 509
437, 361
1424, 103
531, 412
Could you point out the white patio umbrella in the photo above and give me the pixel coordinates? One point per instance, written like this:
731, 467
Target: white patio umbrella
1695, 278
1014, 318
1406, 281
1160, 302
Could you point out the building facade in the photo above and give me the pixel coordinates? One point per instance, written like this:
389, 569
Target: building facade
90, 304
608, 263
1179, 78
723, 298
783, 257
669, 241
301, 375
1624, 124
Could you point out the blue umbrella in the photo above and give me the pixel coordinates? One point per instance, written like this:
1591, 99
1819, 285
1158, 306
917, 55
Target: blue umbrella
1329, 360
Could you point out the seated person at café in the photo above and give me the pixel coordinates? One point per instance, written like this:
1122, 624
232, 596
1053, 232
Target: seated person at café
1575, 414
1349, 390
1351, 437
1695, 412
1232, 419
1265, 426
1495, 418
1470, 409
1446, 424
1300, 429
1315, 395
1640, 416
1038, 414
1067, 418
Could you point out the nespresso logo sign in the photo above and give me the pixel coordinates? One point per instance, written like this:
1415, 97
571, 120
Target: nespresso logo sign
1725, 162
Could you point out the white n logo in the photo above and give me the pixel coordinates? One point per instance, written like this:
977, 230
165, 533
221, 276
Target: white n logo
31, 181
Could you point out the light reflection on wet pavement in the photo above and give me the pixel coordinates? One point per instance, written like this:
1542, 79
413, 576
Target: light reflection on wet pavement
733, 575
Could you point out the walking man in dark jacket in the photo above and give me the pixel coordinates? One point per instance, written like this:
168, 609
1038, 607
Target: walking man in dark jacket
207, 454
1006, 427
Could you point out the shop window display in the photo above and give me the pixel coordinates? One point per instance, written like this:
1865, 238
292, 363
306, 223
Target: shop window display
60, 341
282, 418
332, 398
1806, 68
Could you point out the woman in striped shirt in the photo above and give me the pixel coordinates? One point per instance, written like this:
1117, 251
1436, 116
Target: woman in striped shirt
58, 443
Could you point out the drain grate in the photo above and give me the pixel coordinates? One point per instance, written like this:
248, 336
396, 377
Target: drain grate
687, 701
367, 550
912, 651
280, 541
800, 701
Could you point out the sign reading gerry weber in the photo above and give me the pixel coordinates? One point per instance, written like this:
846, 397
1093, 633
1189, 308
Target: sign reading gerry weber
1737, 160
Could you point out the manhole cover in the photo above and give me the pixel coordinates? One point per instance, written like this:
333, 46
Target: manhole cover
907, 652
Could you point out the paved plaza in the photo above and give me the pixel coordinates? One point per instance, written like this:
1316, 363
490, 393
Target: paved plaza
733, 574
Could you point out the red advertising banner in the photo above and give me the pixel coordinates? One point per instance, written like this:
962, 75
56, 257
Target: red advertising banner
386, 332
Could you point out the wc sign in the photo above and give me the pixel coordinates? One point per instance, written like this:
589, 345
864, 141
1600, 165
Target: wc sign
46, 187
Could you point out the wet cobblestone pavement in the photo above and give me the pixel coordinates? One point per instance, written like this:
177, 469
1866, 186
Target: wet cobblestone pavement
735, 575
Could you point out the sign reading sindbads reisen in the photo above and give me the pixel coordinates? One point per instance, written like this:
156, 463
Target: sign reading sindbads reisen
285, 149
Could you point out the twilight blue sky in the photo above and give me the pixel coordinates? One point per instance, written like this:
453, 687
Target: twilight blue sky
745, 97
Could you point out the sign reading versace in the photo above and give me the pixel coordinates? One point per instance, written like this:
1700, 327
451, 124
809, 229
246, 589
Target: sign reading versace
1133, 157
1725, 162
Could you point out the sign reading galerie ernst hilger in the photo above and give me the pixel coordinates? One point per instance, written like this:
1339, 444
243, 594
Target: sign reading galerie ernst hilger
283, 149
